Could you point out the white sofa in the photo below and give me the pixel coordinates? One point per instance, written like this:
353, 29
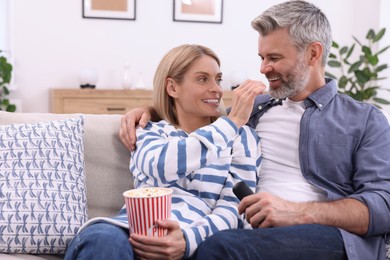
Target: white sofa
106, 164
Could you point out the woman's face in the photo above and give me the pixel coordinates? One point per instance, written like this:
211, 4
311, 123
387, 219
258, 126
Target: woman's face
198, 96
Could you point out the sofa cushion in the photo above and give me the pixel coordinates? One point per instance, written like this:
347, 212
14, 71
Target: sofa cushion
106, 158
42, 186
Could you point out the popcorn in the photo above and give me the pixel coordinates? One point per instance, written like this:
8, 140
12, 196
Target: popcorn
148, 192
146, 205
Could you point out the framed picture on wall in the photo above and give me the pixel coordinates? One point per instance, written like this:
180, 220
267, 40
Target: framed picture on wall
113, 9
199, 11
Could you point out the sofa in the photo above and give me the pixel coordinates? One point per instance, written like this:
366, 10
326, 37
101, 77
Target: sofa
103, 162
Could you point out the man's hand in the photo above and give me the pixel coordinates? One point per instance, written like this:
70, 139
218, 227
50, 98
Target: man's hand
171, 246
129, 121
264, 210
243, 100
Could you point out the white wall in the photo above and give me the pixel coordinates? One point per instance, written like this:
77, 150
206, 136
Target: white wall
51, 42
385, 58
3, 24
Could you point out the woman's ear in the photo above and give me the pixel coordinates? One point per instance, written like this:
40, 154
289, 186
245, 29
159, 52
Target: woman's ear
171, 87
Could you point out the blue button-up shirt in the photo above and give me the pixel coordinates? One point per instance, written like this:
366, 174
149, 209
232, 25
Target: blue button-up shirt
344, 149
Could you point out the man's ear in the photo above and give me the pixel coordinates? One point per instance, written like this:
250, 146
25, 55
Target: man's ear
315, 51
171, 87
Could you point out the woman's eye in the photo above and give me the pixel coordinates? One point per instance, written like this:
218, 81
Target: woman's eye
203, 79
219, 81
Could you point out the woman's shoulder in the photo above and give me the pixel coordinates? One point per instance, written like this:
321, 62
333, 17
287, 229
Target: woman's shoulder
160, 127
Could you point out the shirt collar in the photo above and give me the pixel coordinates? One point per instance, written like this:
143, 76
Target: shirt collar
323, 95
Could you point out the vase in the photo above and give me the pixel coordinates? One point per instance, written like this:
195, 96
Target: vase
126, 77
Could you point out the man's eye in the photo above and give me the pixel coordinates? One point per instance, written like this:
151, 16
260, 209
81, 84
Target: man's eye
274, 58
219, 81
203, 79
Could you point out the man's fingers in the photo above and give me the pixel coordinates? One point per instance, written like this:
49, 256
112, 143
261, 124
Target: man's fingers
144, 120
124, 135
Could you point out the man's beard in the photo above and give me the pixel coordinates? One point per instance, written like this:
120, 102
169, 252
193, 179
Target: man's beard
297, 79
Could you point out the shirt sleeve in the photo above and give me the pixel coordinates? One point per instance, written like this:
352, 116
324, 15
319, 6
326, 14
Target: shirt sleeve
245, 166
161, 158
372, 175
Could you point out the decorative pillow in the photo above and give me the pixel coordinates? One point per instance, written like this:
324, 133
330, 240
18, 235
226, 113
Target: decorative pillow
42, 186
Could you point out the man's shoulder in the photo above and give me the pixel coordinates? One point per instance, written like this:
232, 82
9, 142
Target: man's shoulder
261, 105
262, 99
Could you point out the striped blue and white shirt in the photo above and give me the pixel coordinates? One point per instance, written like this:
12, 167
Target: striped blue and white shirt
201, 168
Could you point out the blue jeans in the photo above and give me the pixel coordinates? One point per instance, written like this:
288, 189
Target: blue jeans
295, 242
100, 241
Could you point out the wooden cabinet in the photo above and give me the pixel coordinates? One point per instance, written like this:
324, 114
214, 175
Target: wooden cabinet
97, 101
103, 101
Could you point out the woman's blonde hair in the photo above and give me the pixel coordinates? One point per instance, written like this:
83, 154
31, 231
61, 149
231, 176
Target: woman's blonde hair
174, 65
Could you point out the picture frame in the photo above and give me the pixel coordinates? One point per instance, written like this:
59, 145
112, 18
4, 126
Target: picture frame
113, 9
198, 11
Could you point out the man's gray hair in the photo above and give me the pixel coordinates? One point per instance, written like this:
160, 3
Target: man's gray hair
305, 23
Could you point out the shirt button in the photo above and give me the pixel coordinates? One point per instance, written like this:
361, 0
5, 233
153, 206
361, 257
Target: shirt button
260, 107
319, 105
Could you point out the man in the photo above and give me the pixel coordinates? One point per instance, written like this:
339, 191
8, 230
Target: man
325, 174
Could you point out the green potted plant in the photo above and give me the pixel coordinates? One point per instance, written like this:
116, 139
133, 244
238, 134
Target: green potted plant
5, 79
359, 78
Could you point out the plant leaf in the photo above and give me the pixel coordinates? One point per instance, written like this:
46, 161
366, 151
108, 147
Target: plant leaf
11, 108
381, 67
6, 90
379, 35
356, 40
343, 50
5, 102
383, 50
355, 66
343, 81
334, 64
361, 76
381, 101
330, 75
370, 35
350, 51
373, 60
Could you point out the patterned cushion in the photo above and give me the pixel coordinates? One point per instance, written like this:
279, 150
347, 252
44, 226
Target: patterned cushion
42, 186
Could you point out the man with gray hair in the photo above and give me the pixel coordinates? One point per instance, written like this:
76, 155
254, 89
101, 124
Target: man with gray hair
324, 184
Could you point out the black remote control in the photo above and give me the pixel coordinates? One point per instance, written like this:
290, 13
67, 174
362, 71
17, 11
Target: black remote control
241, 189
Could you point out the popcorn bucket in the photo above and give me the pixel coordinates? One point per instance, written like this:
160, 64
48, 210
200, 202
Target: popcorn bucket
146, 205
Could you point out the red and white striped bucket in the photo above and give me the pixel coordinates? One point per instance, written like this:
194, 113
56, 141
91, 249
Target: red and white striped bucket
146, 205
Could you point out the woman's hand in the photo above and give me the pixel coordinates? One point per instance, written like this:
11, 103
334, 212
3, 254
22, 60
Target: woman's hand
129, 121
243, 100
171, 246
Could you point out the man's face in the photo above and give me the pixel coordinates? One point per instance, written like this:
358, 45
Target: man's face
285, 68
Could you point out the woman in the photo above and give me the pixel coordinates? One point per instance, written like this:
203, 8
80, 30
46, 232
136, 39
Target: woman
192, 150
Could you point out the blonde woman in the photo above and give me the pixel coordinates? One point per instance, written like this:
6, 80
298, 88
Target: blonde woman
196, 150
